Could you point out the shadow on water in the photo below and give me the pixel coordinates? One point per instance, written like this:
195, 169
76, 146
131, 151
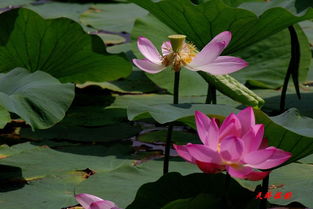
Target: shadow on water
304, 105
11, 178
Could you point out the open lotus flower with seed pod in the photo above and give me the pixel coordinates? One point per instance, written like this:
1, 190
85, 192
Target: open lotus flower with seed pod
88, 201
176, 53
237, 146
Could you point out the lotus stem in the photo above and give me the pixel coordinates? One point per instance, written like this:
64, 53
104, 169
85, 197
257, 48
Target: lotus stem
293, 67
170, 127
226, 191
211, 95
264, 190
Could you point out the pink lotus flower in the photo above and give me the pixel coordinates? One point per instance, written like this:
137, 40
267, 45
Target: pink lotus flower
89, 201
208, 59
237, 146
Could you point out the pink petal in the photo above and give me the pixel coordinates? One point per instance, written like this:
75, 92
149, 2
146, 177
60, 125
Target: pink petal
212, 50
207, 130
210, 167
166, 48
222, 65
231, 149
246, 173
103, 204
278, 157
253, 138
264, 143
257, 157
257, 175
246, 118
148, 50
183, 152
85, 200
230, 127
204, 154
240, 172
148, 66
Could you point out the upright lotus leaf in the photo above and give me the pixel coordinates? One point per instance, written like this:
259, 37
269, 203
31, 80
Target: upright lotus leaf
269, 57
174, 186
59, 47
289, 131
202, 22
37, 97
4, 117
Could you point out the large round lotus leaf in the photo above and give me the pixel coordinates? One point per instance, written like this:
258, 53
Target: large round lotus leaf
59, 47
214, 16
37, 98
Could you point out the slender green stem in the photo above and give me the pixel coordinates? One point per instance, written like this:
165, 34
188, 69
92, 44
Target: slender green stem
167, 149
176, 87
226, 191
293, 68
211, 95
264, 190
170, 127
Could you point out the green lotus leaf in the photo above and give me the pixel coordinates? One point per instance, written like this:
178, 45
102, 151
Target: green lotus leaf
59, 47
37, 97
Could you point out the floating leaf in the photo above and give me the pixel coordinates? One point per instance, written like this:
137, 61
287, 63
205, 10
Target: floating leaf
59, 9
37, 98
295, 178
54, 174
64, 50
109, 133
178, 137
8, 3
112, 17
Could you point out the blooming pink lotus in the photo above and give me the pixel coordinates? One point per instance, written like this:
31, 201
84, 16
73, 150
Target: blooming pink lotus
89, 201
208, 59
237, 146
